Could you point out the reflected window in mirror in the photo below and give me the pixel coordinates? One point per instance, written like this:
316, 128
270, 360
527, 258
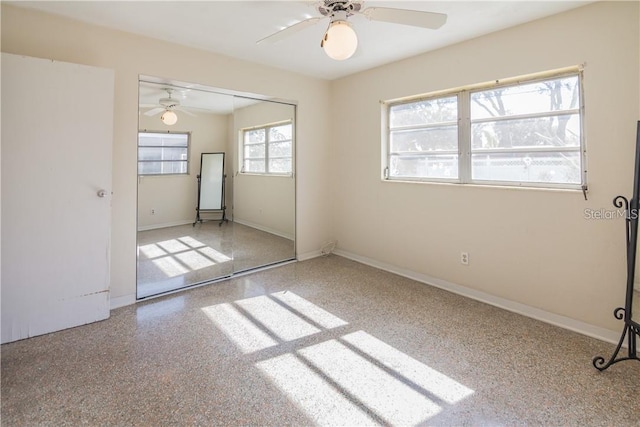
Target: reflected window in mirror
163, 153
267, 149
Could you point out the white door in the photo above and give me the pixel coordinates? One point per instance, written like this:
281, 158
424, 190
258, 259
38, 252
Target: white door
57, 136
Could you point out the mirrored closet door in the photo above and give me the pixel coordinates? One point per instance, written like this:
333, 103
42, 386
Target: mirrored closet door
188, 133
263, 183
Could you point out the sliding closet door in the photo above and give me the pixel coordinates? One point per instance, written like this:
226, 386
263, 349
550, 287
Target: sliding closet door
57, 127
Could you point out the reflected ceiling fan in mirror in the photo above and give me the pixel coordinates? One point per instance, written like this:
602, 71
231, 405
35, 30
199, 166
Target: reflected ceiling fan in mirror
340, 40
168, 106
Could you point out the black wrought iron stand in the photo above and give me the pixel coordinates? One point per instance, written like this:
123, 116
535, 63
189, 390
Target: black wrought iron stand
631, 329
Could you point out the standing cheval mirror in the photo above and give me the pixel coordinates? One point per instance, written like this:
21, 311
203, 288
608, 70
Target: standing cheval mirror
211, 181
630, 313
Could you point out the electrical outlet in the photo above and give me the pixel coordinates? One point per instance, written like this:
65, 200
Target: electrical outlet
464, 258
153, 211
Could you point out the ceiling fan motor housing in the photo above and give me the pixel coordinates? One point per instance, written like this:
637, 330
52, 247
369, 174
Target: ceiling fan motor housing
330, 7
169, 102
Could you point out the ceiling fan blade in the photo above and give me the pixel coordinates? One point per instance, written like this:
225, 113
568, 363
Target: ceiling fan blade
415, 18
290, 30
187, 112
154, 111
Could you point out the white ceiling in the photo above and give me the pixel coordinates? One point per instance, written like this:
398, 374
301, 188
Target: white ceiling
233, 27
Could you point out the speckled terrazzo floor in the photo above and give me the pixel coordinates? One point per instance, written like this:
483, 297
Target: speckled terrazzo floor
321, 342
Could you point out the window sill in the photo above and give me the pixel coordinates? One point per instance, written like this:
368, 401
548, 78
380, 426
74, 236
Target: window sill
488, 186
269, 175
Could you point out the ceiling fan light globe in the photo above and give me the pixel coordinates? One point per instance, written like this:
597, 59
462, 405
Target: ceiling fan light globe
169, 118
340, 41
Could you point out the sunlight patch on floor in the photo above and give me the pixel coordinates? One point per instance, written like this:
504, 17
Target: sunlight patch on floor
179, 256
354, 379
310, 310
277, 319
152, 251
170, 267
191, 242
173, 246
393, 400
247, 336
418, 373
194, 260
216, 256
312, 394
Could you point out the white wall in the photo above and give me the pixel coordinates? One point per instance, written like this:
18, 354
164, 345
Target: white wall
263, 202
174, 197
37, 34
528, 246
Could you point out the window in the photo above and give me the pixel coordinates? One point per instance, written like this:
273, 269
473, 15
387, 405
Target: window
163, 153
423, 139
521, 133
268, 149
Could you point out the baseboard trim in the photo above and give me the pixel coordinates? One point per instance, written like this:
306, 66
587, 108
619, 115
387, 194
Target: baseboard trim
164, 225
122, 301
309, 255
263, 228
516, 307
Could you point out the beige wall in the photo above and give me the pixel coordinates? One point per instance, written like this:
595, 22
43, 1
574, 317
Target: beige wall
42, 35
174, 197
529, 246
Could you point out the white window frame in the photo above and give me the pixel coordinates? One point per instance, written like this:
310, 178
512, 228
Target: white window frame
387, 137
464, 131
267, 141
187, 161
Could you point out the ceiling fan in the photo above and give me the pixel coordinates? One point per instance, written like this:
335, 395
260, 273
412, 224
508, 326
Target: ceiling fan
168, 106
340, 40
